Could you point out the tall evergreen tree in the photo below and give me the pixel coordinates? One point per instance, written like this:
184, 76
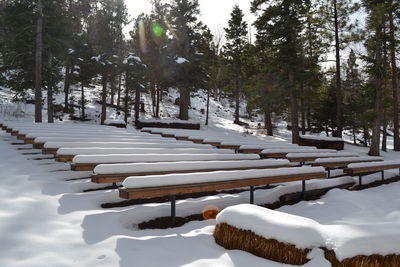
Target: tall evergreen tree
236, 39
279, 27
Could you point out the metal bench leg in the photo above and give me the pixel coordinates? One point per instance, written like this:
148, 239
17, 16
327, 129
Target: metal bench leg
173, 210
114, 185
329, 172
383, 175
303, 189
251, 194
359, 180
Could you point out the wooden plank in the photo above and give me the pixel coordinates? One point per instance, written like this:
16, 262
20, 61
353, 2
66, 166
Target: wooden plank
64, 158
29, 140
137, 193
212, 143
49, 151
21, 136
14, 133
229, 146
38, 145
354, 171
251, 151
120, 177
83, 167
196, 141
338, 164
184, 138
168, 135
273, 155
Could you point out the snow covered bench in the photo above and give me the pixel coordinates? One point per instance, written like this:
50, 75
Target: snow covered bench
334, 163
282, 152
137, 187
324, 142
52, 147
115, 123
258, 148
303, 157
365, 168
89, 162
113, 173
175, 124
66, 154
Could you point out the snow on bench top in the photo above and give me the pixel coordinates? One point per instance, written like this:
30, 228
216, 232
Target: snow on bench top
103, 138
322, 138
347, 159
192, 178
300, 231
143, 144
84, 134
185, 165
296, 150
121, 150
158, 157
74, 130
169, 121
374, 164
320, 155
268, 145
111, 121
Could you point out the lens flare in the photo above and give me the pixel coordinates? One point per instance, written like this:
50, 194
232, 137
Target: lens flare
157, 29
210, 212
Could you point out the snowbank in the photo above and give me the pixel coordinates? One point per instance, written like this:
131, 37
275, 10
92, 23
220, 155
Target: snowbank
284, 227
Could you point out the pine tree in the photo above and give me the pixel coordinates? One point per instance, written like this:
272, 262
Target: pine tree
279, 27
185, 72
236, 39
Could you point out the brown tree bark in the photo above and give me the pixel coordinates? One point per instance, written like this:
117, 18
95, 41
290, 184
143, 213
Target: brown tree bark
38, 63
268, 122
50, 106
184, 102
104, 98
293, 109
83, 101
119, 90
339, 119
374, 148
396, 138
237, 100
66, 86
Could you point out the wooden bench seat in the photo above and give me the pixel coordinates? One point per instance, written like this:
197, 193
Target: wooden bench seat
138, 187
361, 169
109, 176
306, 157
336, 163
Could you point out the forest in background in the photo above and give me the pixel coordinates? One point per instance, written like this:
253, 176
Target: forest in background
44, 43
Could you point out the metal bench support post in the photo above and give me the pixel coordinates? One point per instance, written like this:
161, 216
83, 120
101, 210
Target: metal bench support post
329, 172
251, 194
114, 185
303, 189
359, 180
173, 210
383, 175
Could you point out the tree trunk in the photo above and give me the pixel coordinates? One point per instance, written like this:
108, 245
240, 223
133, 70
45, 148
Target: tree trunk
50, 107
237, 100
354, 135
119, 90
303, 115
208, 106
158, 101
153, 97
126, 111
82, 101
339, 123
66, 86
374, 148
104, 98
293, 109
184, 102
137, 104
396, 138
308, 117
112, 92
38, 63
384, 133
268, 122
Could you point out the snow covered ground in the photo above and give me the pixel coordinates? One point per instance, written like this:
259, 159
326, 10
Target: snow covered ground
48, 221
